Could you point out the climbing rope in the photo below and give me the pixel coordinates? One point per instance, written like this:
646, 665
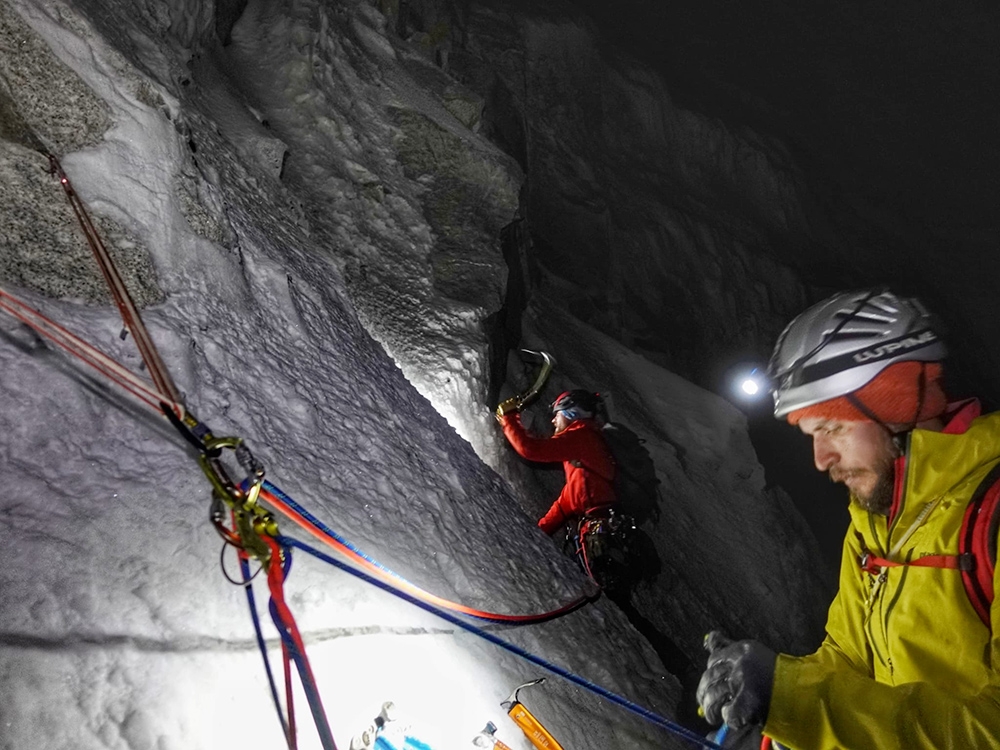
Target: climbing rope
582, 682
261, 644
254, 530
294, 512
253, 527
292, 640
203, 441
77, 347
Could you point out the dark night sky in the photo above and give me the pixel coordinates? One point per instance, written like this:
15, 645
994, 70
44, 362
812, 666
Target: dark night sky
893, 101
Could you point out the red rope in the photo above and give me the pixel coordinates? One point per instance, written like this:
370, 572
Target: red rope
275, 583
397, 582
289, 727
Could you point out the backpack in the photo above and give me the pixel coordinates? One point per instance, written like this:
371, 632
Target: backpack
977, 547
636, 484
978, 541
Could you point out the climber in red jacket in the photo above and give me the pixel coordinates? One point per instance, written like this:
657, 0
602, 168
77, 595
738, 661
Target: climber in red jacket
577, 442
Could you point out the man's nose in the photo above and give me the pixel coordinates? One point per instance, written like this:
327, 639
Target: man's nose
824, 455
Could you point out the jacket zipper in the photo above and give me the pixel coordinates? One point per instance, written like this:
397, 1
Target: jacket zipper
874, 597
901, 469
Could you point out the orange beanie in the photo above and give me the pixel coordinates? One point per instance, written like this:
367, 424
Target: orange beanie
894, 396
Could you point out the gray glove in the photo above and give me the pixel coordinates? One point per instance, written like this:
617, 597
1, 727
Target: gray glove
736, 686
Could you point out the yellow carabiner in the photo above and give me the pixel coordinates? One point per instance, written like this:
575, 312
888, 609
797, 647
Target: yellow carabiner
252, 521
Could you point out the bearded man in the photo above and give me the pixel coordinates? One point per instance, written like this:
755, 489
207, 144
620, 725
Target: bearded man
910, 659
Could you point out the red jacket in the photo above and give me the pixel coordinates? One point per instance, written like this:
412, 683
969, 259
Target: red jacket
588, 464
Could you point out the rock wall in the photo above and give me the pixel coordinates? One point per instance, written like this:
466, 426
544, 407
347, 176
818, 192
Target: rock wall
653, 225
442, 175
661, 218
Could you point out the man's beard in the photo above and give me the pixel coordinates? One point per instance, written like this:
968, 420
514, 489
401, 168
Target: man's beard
879, 500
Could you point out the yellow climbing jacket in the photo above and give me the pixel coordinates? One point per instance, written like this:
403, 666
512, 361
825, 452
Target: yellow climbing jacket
907, 662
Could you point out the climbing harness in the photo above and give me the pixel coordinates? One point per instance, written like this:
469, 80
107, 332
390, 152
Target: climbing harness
599, 539
252, 529
601, 534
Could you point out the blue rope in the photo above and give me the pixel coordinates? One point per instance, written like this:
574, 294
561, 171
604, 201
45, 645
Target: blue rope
375, 563
326, 529
555, 669
308, 686
248, 586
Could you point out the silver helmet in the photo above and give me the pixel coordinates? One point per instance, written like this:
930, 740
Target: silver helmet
838, 345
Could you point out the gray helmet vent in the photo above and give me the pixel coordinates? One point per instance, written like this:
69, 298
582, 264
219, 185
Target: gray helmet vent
838, 345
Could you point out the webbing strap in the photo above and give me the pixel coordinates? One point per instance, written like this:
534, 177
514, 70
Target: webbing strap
119, 292
95, 358
979, 534
872, 564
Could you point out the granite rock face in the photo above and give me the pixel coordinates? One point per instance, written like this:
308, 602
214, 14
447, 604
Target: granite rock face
654, 226
284, 293
45, 107
660, 218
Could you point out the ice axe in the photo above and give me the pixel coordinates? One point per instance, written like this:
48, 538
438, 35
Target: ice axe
537, 734
547, 362
518, 402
